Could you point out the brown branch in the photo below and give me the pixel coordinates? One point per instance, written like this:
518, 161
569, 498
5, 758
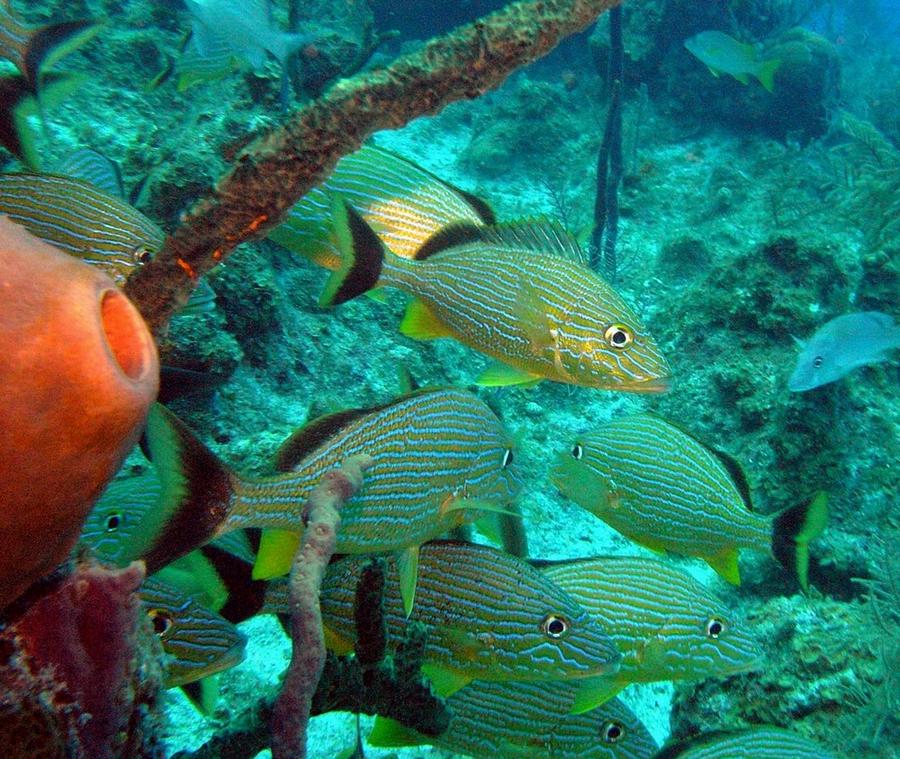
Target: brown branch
279, 167
291, 713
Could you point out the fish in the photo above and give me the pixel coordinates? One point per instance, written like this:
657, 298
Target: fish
520, 293
81, 220
841, 345
723, 54
18, 101
217, 61
94, 167
244, 27
518, 720
763, 742
31, 49
666, 625
441, 458
197, 641
402, 202
667, 491
488, 615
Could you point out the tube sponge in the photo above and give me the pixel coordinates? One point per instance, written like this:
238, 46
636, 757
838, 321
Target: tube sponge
78, 373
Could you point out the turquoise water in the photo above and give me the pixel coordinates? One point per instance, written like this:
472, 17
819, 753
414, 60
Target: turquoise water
747, 219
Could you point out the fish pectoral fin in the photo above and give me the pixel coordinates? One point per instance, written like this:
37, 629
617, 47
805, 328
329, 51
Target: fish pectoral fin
277, 549
742, 78
713, 72
474, 504
498, 374
445, 682
408, 569
420, 323
388, 733
726, 565
594, 691
203, 694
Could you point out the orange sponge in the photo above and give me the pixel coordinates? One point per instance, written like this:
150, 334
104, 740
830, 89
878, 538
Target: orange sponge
78, 372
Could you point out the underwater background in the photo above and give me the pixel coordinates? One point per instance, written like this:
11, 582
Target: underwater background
748, 216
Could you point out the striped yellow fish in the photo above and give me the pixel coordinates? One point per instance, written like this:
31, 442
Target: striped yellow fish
519, 293
489, 616
664, 489
82, 220
666, 625
527, 720
197, 642
403, 203
764, 742
441, 457
33, 48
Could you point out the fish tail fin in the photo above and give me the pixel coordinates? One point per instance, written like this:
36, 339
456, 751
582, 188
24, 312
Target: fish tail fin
52, 42
362, 256
766, 73
196, 494
793, 530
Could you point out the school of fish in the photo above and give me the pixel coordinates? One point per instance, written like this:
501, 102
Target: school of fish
529, 654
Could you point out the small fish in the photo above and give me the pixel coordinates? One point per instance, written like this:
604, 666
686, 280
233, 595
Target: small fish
403, 203
197, 642
723, 54
244, 27
522, 720
666, 625
217, 61
842, 345
764, 742
520, 293
441, 458
667, 491
31, 49
82, 220
489, 616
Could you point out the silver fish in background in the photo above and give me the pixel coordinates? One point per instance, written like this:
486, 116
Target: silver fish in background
666, 625
841, 345
521, 720
756, 743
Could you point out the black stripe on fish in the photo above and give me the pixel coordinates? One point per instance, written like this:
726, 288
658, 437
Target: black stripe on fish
449, 237
311, 436
49, 38
362, 257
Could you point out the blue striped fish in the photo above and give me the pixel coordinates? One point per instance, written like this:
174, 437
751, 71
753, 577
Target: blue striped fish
521, 294
403, 203
764, 742
666, 625
489, 616
31, 49
197, 641
667, 491
441, 458
93, 167
522, 719
82, 220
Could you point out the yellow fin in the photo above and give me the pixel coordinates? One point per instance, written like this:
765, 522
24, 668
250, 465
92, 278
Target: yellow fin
594, 691
420, 323
445, 682
277, 549
197, 577
408, 568
388, 733
726, 564
498, 374
337, 644
203, 694
378, 295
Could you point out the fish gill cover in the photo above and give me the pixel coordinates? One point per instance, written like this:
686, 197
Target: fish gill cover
741, 213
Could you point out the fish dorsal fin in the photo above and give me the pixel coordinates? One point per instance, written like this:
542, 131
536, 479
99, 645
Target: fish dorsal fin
540, 236
734, 467
309, 437
480, 206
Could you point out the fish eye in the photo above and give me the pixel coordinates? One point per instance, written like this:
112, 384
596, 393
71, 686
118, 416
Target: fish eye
612, 731
162, 621
554, 626
141, 255
577, 451
714, 628
618, 336
818, 361
507, 458
113, 521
